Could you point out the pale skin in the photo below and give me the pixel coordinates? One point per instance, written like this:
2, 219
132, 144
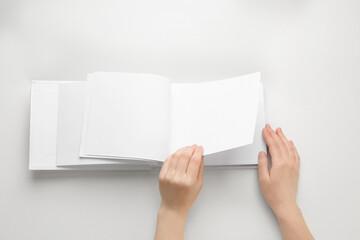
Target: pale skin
181, 179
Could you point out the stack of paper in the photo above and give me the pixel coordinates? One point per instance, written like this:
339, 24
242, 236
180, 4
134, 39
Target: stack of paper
134, 121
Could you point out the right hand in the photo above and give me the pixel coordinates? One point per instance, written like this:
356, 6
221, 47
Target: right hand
181, 179
280, 183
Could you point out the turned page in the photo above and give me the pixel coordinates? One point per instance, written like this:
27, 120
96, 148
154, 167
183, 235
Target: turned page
126, 116
219, 115
70, 120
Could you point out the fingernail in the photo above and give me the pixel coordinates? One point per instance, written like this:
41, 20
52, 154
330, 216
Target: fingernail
268, 126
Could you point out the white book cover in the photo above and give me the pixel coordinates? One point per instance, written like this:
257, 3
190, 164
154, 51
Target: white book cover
61, 113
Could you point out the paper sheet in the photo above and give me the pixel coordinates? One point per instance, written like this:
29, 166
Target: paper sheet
218, 115
70, 121
246, 155
127, 115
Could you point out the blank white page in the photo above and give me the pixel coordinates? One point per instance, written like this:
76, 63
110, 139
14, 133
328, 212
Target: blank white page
219, 115
127, 116
245, 155
70, 121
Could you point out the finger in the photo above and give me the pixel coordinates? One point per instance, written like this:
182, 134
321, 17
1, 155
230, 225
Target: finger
201, 171
185, 158
173, 160
278, 147
297, 156
164, 168
285, 143
263, 167
272, 141
195, 162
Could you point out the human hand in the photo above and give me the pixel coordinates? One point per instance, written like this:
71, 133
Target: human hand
181, 179
280, 183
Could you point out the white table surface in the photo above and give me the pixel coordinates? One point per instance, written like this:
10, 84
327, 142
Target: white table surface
309, 56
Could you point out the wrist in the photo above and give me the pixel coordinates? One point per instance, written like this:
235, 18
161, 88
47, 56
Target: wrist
170, 223
287, 211
179, 214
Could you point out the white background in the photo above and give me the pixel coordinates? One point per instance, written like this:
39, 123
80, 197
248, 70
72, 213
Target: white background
309, 56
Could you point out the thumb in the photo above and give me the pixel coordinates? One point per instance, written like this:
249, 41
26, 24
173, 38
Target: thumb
263, 167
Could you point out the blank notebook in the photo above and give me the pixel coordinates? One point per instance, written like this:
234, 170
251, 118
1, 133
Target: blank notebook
134, 121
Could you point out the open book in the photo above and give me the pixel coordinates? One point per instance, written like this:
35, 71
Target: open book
134, 121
